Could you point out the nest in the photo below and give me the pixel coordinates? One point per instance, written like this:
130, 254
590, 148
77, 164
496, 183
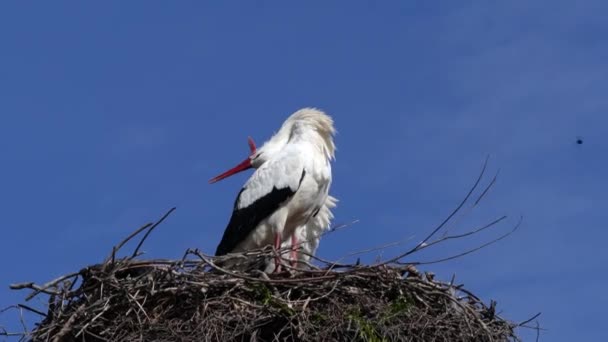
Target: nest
193, 300
197, 299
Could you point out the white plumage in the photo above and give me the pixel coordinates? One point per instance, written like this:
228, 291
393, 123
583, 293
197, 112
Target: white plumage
308, 236
287, 194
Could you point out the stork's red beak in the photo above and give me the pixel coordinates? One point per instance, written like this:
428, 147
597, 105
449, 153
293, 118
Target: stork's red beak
251, 143
242, 166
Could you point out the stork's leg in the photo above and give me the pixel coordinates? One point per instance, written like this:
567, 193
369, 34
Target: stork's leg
277, 258
294, 250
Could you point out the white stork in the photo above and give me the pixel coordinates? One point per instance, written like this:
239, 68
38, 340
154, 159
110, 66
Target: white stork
305, 240
288, 188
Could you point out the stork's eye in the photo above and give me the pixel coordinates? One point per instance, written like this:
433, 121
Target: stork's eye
256, 156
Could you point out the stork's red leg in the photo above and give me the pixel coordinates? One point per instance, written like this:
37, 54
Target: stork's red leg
277, 258
294, 250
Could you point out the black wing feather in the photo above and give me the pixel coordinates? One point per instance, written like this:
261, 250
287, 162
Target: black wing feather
243, 221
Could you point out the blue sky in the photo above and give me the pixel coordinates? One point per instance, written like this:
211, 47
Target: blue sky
112, 113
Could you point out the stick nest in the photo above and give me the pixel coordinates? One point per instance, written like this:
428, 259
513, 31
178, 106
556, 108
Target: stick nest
195, 300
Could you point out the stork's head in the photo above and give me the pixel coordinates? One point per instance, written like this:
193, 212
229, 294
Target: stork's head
313, 125
310, 121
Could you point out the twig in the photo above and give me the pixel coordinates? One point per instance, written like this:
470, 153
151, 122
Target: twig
487, 188
529, 320
472, 206
37, 289
112, 257
141, 242
23, 306
466, 198
337, 227
491, 242
445, 221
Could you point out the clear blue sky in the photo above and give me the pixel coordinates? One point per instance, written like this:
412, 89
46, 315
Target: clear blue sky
112, 113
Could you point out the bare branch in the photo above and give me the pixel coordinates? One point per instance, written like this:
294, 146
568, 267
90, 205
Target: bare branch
472, 250
141, 242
